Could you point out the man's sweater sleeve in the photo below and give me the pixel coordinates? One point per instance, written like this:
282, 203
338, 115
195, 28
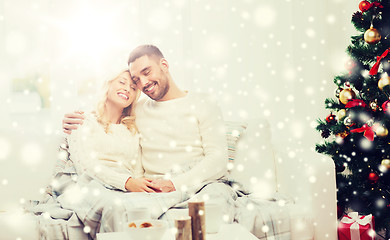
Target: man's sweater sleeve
213, 136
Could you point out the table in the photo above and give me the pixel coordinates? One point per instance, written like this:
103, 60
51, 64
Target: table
227, 232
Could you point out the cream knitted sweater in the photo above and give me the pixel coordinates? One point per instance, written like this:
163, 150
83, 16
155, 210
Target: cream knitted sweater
110, 157
183, 140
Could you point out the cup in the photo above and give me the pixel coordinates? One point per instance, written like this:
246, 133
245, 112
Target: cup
213, 217
138, 213
133, 214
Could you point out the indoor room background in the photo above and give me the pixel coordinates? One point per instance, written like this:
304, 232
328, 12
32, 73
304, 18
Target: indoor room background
260, 59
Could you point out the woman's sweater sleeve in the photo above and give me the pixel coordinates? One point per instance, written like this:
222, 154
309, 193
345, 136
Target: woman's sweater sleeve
85, 156
138, 170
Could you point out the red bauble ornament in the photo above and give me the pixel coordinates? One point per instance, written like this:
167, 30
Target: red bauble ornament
373, 177
349, 65
386, 107
331, 119
364, 6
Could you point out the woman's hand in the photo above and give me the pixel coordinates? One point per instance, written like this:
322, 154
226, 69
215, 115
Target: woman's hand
141, 185
72, 120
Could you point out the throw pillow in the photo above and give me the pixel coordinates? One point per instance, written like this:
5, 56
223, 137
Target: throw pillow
233, 133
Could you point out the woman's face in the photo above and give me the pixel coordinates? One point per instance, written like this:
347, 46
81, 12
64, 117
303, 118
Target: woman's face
122, 91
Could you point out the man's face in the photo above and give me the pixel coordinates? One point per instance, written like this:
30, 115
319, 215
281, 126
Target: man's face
149, 74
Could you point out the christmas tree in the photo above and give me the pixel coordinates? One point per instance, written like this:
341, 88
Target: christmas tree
356, 130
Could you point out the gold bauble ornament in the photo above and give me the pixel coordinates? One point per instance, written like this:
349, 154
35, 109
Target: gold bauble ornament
386, 163
341, 114
346, 95
383, 82
372, 36
380, 130
342, 134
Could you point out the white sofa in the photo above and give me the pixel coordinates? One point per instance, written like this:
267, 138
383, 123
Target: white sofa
307, 177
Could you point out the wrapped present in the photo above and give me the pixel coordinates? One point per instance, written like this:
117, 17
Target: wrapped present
355, 227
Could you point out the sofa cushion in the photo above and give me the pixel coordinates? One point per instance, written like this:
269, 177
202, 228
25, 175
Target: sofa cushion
254, 164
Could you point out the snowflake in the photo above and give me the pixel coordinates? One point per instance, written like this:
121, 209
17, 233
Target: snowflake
365, 144
264, 16
4, 182
312, 179
265, 228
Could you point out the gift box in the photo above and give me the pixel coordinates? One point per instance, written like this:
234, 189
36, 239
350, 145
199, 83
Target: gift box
355, 227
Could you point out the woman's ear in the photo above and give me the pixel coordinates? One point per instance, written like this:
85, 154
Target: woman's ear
164, 64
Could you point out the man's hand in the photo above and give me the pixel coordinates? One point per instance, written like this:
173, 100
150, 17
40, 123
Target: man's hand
141, 185
72, 120
164, 185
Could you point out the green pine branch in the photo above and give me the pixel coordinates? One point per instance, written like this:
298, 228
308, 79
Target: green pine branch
330, 103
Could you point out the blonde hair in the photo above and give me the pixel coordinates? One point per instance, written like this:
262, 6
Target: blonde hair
128, 113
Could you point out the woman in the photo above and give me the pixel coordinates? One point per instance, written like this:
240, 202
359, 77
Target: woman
104, 158
106, 146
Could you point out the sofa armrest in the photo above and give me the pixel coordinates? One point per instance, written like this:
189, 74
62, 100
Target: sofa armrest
17, 224
309, 178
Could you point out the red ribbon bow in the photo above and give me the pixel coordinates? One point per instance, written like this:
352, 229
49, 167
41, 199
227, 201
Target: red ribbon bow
375, 4
355, 222
355, 103
375, 67
370, 5
368, 132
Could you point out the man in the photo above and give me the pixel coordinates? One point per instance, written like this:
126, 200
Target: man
179, 129
183, 140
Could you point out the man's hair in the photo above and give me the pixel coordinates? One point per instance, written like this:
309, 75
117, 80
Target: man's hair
140, 51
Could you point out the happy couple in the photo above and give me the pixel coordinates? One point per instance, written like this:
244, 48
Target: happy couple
158, 152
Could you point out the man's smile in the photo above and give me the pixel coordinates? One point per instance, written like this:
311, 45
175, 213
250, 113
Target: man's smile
149, 88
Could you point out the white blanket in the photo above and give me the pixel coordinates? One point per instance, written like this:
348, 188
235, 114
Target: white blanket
78, 207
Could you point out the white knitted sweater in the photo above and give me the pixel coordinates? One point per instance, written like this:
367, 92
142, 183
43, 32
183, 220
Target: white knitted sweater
182, 139
110, 157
